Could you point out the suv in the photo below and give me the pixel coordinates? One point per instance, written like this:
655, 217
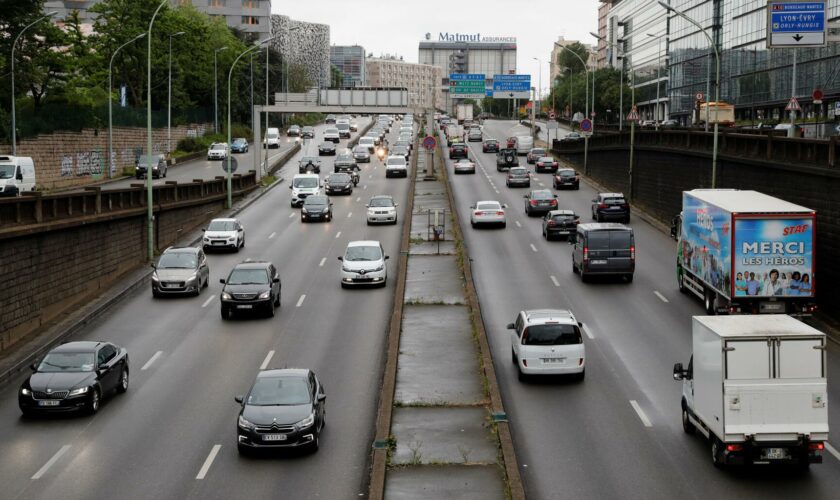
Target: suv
223, 233
251, 285
560, 223
506, 158
158, 169
604, 249
396, 166
217, 151
610, 206
457, 150
180, 270
345, 162
547, 342
331, 134
566, 177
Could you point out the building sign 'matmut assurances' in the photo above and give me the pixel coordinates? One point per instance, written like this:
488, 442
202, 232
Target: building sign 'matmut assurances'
471, 37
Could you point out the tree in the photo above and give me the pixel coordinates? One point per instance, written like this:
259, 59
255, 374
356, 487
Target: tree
567, 60
336, 76
299, 80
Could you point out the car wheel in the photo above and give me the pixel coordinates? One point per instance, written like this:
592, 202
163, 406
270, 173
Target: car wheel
574, 268
242, 449
580, 376
243, 243
513, 358
227, 313
198, 288
123, 385
681, 282
521, 376
688, 427
93, 405
155, 294
277, 301
709, 301
270, 310
395, 220
583, 276
629, 278
627, 220
593, 214
717, 452
369, 224
473, 224
504, 225
316, 442
27, 413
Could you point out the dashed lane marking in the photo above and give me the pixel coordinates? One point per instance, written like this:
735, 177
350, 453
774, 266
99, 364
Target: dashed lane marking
322, 262
554, 280
151, 360
267, 360
208, 301
272, 235
661, 297
644, 418
43, 470
533, 247
300, 300
208, 462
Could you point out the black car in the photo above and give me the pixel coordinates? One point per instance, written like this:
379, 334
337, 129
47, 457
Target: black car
307, 132
317, 207
609, 206
539, 201
283, 409
345, 162
159, 166
330, 120
250, 286
239, 145
326, 148
361, 154
506, 158
458, 150
571, 138
294, 131
74, 376
566, 177
560, 223
338, 183
490, 146
546, 163
309, 164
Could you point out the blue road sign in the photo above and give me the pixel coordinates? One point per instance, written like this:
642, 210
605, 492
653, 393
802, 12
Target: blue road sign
586, 125
796, 24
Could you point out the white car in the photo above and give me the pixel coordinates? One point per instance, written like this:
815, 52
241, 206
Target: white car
332, 134
224, 233
368, 142
354, 126
217, 151
488, 212
304, 185
547, 342
381, 208
464, 166
363, 263
396, 166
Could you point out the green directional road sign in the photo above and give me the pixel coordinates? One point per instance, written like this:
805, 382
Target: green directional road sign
467, 86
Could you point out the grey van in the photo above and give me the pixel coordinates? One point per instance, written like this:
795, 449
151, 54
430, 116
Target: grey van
607, 248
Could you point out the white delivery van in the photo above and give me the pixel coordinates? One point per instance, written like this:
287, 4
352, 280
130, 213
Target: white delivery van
524, 144
17, 175
272, 138
304, 185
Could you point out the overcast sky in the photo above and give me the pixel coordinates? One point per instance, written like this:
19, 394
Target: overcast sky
397, 26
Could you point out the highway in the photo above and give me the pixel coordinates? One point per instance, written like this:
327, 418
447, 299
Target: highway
618, 434
173, 434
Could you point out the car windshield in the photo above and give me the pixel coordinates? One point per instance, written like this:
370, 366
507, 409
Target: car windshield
222, 225
396, 161
538, 152
360, 150
248, 277
240, 141
614, 201
306, 182
343, 126
316, 201
363, 254
344, 157
518, 171
546, 159
331, 131
308, 129
488, 206
294, 127
67, 362
573, 135
491, 143
381, 202
218, 146
366, 140
309, 159
464, 160
327, 144
275, 391
541, 194
609, 240
552, 335
566, 173
563, 218
338, 178
177, 260
7, 171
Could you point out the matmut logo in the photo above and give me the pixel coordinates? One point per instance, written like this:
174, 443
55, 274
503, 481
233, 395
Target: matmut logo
459, 37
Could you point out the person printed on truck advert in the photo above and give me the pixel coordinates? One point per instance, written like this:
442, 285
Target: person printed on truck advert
740, 283
772, 285
805, 285
753, 285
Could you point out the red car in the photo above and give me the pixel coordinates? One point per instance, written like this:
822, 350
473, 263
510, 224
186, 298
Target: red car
490, 146
546, 163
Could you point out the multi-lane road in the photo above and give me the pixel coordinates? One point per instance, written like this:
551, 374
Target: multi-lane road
173, 434
618, 434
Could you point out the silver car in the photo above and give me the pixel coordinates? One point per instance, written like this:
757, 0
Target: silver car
464, 166
180, 270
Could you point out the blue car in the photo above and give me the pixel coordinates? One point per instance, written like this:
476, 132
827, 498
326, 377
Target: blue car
239, 145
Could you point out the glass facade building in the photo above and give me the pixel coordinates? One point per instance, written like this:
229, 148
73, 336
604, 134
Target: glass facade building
350, 59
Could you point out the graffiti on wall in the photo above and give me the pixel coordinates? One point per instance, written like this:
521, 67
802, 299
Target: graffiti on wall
83, 164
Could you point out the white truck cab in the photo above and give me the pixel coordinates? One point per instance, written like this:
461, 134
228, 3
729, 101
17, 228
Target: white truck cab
17, 175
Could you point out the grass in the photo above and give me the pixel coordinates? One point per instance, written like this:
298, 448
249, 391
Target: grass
267, 180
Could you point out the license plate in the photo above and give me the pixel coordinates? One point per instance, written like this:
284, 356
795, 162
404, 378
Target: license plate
562, 232
244, 306
48, 403
599, 262
766, 307
274, 437
775, 453
553, 360
218, 242
615, 208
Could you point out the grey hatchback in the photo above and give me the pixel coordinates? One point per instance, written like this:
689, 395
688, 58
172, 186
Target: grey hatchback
604, 249
518, 176
180, 270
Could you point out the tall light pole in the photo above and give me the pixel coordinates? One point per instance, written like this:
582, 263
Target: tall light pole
585, 106
216, 88
14, 44
658, 76
150, 212
717, 85
539, 88
110, 93
169, 97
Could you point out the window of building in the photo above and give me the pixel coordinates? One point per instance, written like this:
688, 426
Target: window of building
250, 20
216, 3
250, 4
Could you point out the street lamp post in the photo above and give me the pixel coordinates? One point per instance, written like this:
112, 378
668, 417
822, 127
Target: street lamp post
110, 99
539, 85
216, 88
14, 44
169, 97
717, 86
149, 208
585, 104
620, 82
658, 76
228, 154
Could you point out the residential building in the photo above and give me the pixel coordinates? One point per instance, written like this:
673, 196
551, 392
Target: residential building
556, 50
421, 80
350, 59
602, 51
307, 44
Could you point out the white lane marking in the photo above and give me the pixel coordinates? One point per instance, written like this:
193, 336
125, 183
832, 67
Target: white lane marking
208, 462
151, 360
518, 224
554, 280
337, 235
358, 199
272, 235
587, 332
267, 360
541, 184
300, 300
208, 301
322, 262
370, 176
533, 247
349, 214
43, 470
661, 297
291, 215
644, 418
832, 450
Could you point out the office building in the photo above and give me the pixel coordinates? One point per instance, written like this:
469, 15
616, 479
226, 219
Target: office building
307, 44
350, 59
556, 50
602, 47
421, 80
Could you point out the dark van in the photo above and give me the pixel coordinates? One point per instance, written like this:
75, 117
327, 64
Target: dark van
607, 248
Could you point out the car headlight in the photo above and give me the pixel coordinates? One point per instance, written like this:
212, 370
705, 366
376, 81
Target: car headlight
244, 424
304, 210
25, 391
306, 422
326, 210
76, 392
265, 294
346, 269
380, 268
155, 277
193, 277
226, 296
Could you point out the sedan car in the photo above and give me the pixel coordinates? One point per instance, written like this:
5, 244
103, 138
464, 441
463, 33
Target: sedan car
488, 213
251, 286
396, 166
458, 150
217, 151
571, 138
317, 207
326, 148
464, 166
74, 376
309, 164
294, 131
363, 263
224, 233
180, 270
338, 183
546, 163
559, 223
307, 132
361, 154
535, 154
283, 409
490, 146
239, 145
381, 208
566, 177
540, 201
518, 177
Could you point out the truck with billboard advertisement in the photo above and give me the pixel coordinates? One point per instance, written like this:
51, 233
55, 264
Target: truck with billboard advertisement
746, 252
464, 112
720, 112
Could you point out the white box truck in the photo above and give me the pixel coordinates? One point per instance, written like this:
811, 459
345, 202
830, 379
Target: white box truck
746, 252
755, 386
464, 113
17, 175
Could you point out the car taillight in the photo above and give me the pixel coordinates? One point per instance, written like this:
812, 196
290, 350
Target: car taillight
816, 446
478, 213
577, 177
552, 223
585, 253
625, 205
500, 213
734, 447
633, 252
533, 202
602, 205
553, 202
